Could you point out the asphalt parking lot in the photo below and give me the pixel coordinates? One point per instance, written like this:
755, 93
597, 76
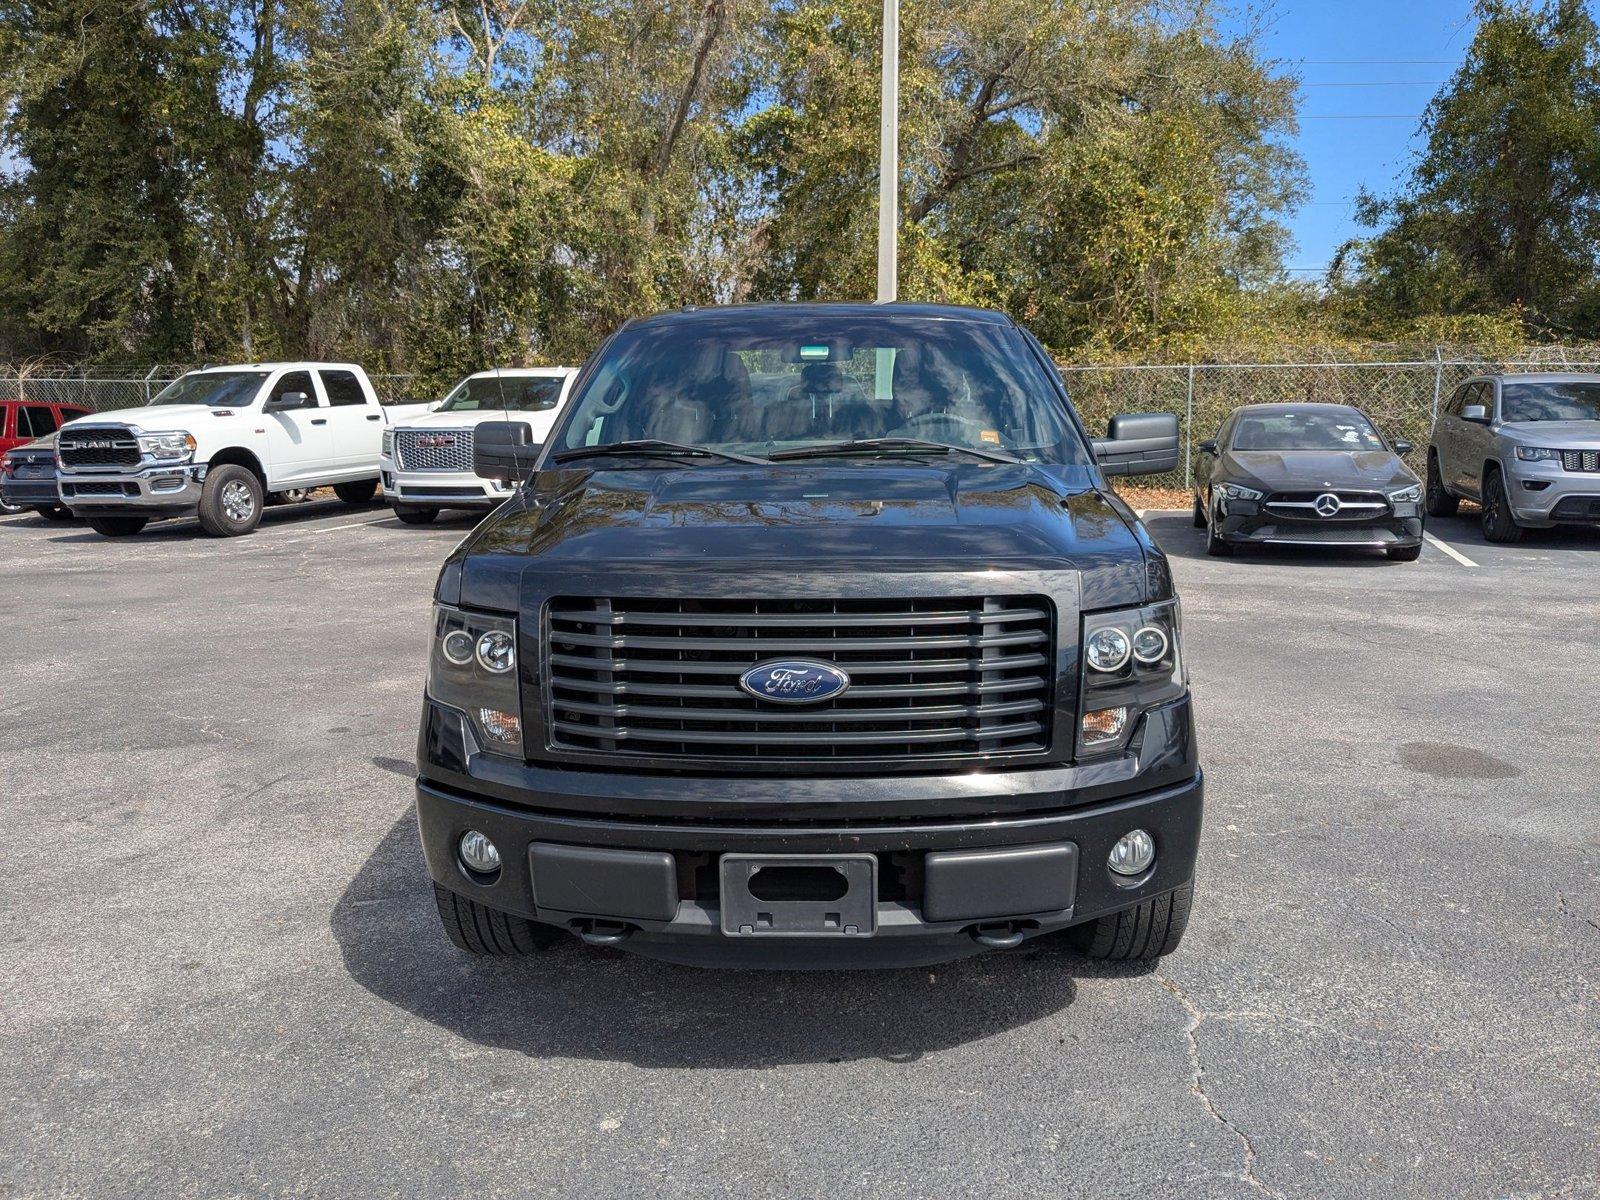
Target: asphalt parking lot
221, 972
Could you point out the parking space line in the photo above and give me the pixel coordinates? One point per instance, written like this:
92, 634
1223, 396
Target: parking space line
1450, 550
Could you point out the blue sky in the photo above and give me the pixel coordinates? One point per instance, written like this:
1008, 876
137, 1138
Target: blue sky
1368, 68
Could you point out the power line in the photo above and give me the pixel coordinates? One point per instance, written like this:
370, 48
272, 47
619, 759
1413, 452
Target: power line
1364, 117
1377, 62
1383, 83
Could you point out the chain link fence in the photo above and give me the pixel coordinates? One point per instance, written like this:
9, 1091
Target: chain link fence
1400, 396
107, 390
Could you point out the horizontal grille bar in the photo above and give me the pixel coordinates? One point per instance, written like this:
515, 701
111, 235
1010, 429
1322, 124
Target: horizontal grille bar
938, 679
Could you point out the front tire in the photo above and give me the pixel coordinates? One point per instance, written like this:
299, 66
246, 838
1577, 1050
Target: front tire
1216, 547
360, 492
1498, 523
1149, 930
117, 526
53, 512
1438, 502
415, 516
1199, 514
479, 929
231, 501
1404, 553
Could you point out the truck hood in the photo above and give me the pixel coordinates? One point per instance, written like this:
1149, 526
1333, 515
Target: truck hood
154, 418
1302, 470
807, 519
1557, 435
467, 420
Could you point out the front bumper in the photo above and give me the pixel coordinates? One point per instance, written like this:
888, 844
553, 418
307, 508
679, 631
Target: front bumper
30, 492
1244, 523
1545, 493
650, 878
442, 489
155, 490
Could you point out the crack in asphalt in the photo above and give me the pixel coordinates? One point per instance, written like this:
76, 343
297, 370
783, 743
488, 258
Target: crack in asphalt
1568, 910
1197, 1087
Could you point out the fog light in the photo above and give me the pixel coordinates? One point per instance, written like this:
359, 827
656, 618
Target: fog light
502, 726
1104, 726
1133, 853
481, 855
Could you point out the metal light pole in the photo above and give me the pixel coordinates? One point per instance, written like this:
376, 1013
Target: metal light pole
889, 156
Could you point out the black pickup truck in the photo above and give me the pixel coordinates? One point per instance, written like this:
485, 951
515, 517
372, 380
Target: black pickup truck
812, 637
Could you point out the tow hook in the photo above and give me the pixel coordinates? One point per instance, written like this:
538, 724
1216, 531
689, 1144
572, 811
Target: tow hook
603, 933
1001, 936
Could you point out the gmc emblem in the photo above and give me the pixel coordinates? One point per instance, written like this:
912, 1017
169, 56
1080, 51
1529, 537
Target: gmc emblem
435, 441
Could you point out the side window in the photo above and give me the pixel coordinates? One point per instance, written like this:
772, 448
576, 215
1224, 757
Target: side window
69, 413
35, 420
1458, 400
296, 381
343, 388
6, 418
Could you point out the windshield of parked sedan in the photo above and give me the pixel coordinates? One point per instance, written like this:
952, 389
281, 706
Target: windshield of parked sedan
522, 393
216, 389
1571, 401
1306, 431
756, 383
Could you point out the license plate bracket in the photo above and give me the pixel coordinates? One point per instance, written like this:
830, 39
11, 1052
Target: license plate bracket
799, 895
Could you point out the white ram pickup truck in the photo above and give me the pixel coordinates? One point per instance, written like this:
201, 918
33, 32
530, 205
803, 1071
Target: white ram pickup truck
427, 461
221, 442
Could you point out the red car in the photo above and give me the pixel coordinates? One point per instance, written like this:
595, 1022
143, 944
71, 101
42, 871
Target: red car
24, 421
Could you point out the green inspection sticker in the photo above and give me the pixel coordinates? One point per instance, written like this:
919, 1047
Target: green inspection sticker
813, 352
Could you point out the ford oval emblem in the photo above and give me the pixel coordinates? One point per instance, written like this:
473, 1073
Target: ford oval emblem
794, 681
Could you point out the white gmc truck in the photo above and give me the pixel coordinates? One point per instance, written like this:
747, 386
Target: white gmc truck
221, 442
427, 461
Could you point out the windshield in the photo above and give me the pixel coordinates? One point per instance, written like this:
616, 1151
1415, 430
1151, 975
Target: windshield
1569, 401
1339, 430
524, 393
216, 389
756, 382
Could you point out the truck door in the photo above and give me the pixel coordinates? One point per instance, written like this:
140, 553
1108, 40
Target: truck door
298, 444
354, 423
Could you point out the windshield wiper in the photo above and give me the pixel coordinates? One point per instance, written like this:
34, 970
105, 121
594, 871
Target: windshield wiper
651, 447
871, 445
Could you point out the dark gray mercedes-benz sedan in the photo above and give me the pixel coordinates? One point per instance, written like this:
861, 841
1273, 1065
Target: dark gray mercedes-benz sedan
1306, 474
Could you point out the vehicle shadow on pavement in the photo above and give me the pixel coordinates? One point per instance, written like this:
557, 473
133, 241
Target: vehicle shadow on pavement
578, 1002
277, 516
1465, 532
1177, 536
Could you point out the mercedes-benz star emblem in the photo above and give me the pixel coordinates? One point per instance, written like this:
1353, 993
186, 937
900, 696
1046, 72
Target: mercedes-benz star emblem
1328, 505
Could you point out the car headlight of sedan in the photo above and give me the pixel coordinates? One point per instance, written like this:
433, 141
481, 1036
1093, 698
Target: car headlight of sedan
1233, 491
167, 447
1538, 454
1406, 495
1131, 662
472, 667
388, 443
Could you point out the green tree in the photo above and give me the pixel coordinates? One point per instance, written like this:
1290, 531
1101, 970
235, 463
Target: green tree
1502, 211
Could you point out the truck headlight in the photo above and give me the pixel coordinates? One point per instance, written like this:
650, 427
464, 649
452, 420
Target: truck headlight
1537, 454
1131, 662
472, 668
1406, 495
167, 447
388, 443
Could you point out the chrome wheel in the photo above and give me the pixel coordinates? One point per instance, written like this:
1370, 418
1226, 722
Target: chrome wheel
238, 504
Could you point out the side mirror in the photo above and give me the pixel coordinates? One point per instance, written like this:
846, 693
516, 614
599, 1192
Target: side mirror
1476, 413
504, 450
1401, 446
285, 401
1209, 446
1139, 444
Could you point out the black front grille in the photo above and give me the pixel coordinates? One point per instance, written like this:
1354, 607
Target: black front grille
1302, 506
1580, 460
90, 487
104, 447
930, 679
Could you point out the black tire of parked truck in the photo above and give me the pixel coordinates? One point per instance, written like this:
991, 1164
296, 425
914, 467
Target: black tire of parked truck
360, 492
1498, 523
231, 500
414, 516
1404, 553
479, 929
53, 512
117, 526
1148, 930
1437, 501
